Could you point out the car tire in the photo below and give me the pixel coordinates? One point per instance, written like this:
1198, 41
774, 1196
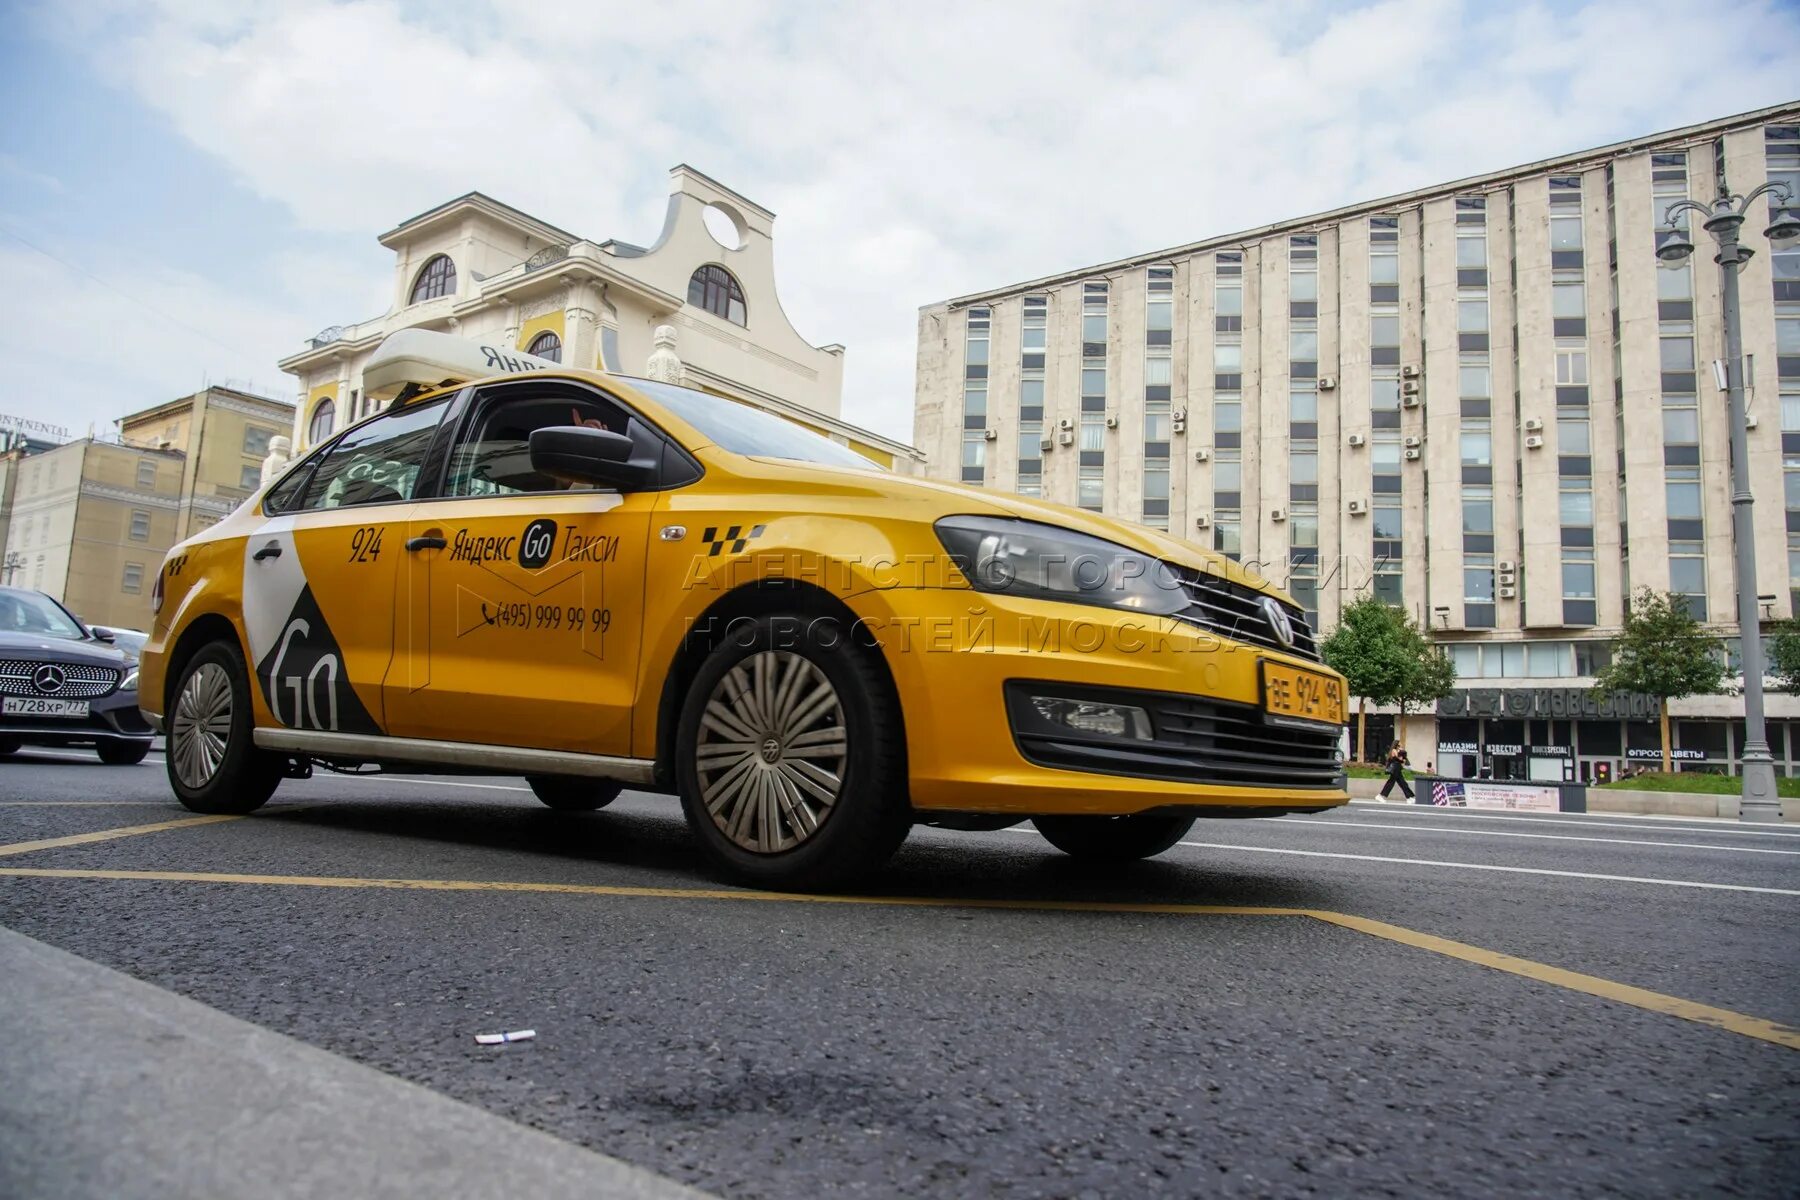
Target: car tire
574, 793
1113, 839
214, 765
122, 754
10, 746
810, 794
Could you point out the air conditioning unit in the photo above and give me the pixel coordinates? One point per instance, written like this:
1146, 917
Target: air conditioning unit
1508, 566
1179, 414
1327, 382
1065, 437
1749, 420
1357, 439
1112, 422
1508, 593
1412, 456
1414, 441
1046, 444
1534, 442
1409, 372
1533, 425
1358, 508
1065, 423
1201, 454
989, 435
1278, 514
1178, 425
1202, 521
1411, 401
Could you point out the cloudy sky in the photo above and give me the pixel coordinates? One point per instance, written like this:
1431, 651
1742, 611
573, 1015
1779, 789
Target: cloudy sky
188, 188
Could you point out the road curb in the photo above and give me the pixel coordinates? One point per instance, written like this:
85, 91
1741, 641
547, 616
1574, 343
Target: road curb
117, 1088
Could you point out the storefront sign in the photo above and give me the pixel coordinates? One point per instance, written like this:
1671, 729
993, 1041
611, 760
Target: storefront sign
1458, 748
1547, 704
42, 428
1505, 749
1518, 797
1677, 755
1550, 751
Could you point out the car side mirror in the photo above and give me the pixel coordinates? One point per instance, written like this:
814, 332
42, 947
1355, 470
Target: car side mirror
102, 635
583, 454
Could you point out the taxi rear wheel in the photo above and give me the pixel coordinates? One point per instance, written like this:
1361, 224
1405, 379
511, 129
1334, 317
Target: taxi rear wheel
790, 757
1113, 839
574, 793
214, 765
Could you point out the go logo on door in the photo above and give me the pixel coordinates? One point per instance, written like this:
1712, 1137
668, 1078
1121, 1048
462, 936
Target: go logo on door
537, 544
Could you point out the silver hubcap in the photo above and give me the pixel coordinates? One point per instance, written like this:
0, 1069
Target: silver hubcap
772, 751
201, 726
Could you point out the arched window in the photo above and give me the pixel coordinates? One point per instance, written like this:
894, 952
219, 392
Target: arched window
437, 279
323, 418
546, 345
714, 288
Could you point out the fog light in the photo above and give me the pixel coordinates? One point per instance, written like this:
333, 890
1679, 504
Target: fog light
1090, 717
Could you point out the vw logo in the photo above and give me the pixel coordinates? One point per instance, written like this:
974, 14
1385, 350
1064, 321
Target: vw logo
48, 678
1279, 621
771, 750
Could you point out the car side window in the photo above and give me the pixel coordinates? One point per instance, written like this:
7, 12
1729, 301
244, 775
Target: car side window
377, 462
494, 457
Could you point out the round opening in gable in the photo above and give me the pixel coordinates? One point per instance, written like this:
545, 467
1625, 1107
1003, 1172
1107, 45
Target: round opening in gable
724, 226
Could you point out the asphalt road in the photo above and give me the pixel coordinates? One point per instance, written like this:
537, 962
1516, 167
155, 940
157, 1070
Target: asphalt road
938, 1047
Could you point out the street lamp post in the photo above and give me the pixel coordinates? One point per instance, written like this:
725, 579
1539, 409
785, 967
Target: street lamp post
1723, 221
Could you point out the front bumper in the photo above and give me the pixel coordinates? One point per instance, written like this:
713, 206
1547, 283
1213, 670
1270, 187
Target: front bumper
954, 654
111, 718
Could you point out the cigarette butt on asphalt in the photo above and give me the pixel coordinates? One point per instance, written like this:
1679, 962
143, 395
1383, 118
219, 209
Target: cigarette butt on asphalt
495, 1039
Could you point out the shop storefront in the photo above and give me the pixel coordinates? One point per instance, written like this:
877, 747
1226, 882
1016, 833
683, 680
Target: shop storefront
1571, 734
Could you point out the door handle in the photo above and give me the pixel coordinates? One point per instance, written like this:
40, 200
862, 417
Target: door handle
429, 541
272, 550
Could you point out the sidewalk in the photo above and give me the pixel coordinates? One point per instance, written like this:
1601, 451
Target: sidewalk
116, 1088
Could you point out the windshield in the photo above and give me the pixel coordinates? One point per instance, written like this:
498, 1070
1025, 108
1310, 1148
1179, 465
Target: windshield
744, 430
36, 613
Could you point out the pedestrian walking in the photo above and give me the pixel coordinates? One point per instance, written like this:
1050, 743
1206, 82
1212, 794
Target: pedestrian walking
1396, 771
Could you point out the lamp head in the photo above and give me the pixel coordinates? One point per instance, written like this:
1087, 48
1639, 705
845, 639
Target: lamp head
1674, 247
1784, 230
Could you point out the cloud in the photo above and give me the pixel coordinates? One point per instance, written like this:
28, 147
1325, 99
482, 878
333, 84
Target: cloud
918, 153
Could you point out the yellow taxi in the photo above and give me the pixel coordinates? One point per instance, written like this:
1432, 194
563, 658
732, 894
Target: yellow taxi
601, 582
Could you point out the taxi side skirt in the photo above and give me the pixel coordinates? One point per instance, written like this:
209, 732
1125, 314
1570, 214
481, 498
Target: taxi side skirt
505, 759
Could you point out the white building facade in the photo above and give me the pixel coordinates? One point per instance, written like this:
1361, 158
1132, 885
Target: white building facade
483, 270
1484, 401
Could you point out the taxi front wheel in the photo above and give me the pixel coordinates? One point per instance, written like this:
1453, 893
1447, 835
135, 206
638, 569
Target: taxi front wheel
214, 765
574, 793
790, 755
1113, 839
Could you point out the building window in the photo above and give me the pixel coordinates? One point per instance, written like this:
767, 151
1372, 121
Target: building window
324, 416
133, 580
546, 345
250, 478
977, 332
146, 475
437, 279
1091, 493
140, 526
716, 290
1034, 336
1568, 299
256, 440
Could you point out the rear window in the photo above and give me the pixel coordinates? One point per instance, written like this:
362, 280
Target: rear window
742, 429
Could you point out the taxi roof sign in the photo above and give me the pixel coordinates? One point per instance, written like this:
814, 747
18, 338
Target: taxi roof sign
420, 356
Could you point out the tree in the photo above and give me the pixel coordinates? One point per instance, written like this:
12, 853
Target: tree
1783, 647
1663, 652
1385, 658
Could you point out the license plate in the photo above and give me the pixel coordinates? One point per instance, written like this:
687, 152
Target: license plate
32, 706
1297, 694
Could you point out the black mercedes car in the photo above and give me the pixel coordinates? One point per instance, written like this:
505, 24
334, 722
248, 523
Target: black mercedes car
61, 684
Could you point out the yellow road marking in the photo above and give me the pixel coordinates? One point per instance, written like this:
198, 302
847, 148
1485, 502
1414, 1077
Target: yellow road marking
107, 835
1605, 989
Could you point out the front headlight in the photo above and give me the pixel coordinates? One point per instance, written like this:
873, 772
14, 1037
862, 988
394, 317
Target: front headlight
130, 682
1025, 558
